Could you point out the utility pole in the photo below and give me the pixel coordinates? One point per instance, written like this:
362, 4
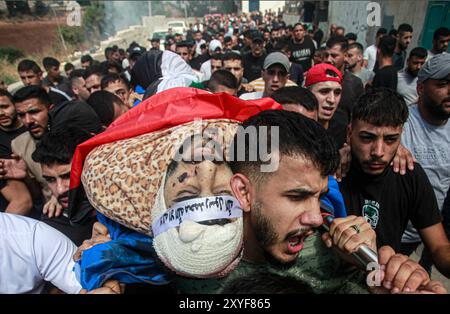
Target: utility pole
150, 8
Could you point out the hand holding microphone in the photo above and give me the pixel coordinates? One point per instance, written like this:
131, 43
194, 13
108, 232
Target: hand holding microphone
351, 235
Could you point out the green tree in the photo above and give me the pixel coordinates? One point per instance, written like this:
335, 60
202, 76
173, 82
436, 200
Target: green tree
94, 20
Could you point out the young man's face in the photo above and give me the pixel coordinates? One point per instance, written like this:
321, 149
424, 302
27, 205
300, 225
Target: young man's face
183, 52
275, 77
353, 57
34, 116
198, 36
119, 89
441, 44
235, 67
58, 180
115, 56
85, 65
29, 78
8, 115
215, 65
436, 97
336, 57
93, 83
257, 48
414, 64
283, 208
53, 72
404, 39
299, 33
80, 90
373, 147
155, 44
328, 95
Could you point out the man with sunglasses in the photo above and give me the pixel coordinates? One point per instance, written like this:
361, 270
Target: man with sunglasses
275, 74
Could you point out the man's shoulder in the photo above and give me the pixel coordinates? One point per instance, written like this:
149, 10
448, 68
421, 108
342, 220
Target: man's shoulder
21, 141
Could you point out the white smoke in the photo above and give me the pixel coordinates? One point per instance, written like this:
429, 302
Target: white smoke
122, 14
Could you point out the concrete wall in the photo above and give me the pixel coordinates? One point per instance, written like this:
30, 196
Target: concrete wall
353, 16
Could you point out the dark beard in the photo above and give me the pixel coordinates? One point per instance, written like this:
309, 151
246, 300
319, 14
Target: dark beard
264, 232
436, 110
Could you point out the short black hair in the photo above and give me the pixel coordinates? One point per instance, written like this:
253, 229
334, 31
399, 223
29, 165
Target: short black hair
298, 136
96, 69
418, 52
357, 46
387, 45
441, 32
217, 56
232, 56
351, 36
404, 28
86, 58
28, 65
381, 107
59, 147
381, 31
49, 62
114, 77
393, 32
107, 65
69, 66
281, 44
338, 40
5, 93
77, 73
297, 24
31, 92
296, 95
222, 77
103, 104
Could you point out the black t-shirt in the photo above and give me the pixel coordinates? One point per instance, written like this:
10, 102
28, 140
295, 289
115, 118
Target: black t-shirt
253, 66
302, 53
352, 89
386, 77
390, 200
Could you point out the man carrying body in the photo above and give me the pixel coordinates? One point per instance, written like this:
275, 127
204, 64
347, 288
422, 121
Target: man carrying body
15, 197
385, 199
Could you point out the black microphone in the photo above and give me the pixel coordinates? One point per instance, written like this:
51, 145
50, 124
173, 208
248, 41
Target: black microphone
364, 255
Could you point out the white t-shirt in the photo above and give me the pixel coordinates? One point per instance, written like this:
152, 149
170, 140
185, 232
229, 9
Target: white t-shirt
407, 87
252, 96
205, 69
31, 253
430, 145
370, 54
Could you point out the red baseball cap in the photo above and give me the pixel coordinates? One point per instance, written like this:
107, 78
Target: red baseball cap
318, 73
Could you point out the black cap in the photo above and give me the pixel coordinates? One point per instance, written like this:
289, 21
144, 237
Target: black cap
257, 38
154, 39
